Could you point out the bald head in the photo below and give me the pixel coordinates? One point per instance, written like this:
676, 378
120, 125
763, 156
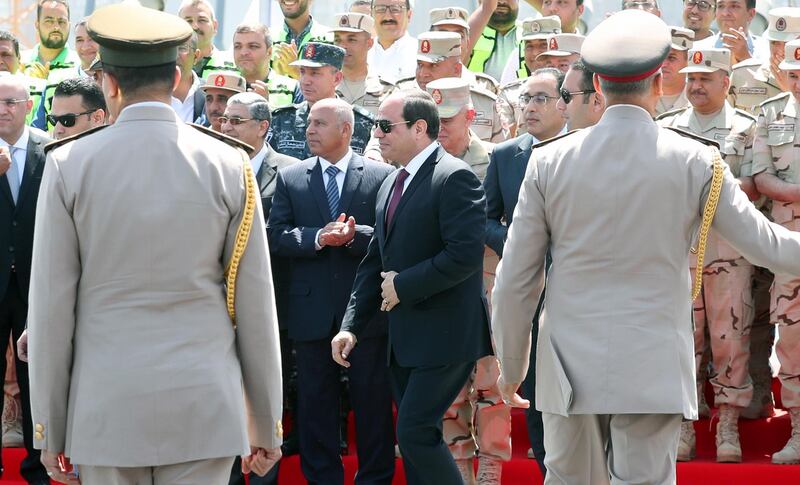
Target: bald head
330, 128
340, 108
15, 104
15, 83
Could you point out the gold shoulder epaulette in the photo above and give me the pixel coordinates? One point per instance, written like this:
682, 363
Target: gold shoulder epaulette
550, 140
672, 112
228, 140
704, 141
55, 144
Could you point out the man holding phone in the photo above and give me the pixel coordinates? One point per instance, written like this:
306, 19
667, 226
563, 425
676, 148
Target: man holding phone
733, 18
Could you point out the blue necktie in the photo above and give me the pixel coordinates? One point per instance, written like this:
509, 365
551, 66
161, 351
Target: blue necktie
13, 175
332, 191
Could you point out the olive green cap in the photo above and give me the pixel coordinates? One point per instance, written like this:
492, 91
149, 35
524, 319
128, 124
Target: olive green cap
130, 35
628, 46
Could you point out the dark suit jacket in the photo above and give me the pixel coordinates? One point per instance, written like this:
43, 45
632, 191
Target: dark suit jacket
320, 281
507, 165
16, 222
267, 178
435, 243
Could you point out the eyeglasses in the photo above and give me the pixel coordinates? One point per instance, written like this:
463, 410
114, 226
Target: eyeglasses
386, 125
394, 9
640, 4
234, 121
538, 99
12, 103
67, 120
702, 5
567, 96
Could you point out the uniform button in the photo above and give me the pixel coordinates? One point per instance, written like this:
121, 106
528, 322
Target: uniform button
39, 428
39, 436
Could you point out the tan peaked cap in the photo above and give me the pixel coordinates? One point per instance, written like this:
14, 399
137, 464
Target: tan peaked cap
437, 46
682, 39
542, 28
784, 24
449, 16
225, 80
708, 60
353, 22
792, 59
563, 45
450, 95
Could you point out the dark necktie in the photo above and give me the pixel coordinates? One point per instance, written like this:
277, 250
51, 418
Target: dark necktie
332, 191
397, 193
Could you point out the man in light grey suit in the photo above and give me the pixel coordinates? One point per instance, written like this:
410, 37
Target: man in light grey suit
137, 373
618, 204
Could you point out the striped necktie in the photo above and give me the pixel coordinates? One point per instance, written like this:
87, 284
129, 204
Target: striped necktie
332, 190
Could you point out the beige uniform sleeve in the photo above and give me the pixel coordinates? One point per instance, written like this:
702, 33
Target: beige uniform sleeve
762, 155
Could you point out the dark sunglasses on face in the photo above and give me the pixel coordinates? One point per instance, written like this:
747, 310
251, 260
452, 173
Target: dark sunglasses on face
386, 125
567, 96
68, 120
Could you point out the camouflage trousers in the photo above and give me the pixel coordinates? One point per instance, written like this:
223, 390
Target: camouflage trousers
725, 308
785, 313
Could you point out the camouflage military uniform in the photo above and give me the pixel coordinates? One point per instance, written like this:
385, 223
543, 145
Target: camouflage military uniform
287, 133
367, 94
725, 304
509, 94
776, 152
752, 83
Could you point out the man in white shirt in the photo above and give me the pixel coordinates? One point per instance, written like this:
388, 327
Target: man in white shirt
394, 54
187, 99
733, 19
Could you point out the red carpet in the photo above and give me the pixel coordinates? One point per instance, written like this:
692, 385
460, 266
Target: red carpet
759, 440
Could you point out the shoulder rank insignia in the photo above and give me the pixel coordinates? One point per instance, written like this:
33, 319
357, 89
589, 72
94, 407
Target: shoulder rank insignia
704, 141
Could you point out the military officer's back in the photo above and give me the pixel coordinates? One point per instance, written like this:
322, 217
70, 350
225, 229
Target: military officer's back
136, 368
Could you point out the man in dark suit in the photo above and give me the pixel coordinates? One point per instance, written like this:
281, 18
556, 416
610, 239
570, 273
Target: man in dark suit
322, 218
21, 165
424, 267
582, 107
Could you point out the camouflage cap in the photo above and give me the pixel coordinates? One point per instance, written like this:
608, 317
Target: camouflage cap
449, 16
319, 54
224, 80
130, 35
708, 60
563, 45
784, 24
628, 46
353, 22
533, 29
682, 39
450, 95
437, 46
792, 60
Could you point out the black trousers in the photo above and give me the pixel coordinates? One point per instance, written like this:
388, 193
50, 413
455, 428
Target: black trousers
423, 395
318, 403
13, 315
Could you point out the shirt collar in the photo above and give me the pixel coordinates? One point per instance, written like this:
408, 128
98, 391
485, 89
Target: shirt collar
341, 164
22, 141
416, 162
299, 39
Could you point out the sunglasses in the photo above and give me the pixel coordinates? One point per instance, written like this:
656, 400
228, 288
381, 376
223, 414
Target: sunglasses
386, 125
68, 120
234, 121
567, 96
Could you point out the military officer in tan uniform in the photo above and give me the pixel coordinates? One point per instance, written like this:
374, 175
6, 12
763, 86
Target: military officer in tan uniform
478, 420
439, 56
754, 81
724, 308
776, 168
454, 19
562, 51
353, 33
138, 373
674, 96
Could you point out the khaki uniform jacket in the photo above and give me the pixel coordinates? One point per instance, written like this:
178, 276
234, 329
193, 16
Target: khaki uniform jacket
368, 95
681, 102
477, 155
133, 358
752, 83
618, 205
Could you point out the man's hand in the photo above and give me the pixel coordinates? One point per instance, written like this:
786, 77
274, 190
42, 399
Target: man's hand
260, 87
22, 346
736, 41
338, 232
509, 393
60, 472
780, 75
5, 159
37, 70
388, 293
341, 346
285, 54
260, 460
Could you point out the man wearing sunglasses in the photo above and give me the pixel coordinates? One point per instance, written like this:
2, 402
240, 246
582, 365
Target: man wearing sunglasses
78, 106
580, 104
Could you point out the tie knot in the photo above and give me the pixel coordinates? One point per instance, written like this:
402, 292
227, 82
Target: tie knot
333, 170
402, 175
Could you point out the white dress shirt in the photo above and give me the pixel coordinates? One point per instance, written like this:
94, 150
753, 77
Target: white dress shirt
20, 153
185, 108
414, 165
397, 62
258, 159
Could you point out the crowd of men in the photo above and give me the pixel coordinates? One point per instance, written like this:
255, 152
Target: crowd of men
325, 115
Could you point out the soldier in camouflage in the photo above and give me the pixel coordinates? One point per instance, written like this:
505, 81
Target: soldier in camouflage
725, 305
320, 72
776, 168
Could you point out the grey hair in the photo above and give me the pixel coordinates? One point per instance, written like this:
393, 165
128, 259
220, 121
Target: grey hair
257, 106
634, 88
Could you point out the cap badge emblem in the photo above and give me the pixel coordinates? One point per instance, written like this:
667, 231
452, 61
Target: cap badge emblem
219, 80
697, 57
311, 50
344, 21
535, 27
553, 44
425, 47
437, 96
780, 24
797, 54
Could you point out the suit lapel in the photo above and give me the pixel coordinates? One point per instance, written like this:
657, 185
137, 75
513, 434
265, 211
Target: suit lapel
318, 190
352, 179
524, 153
266, 174
34, 156
419, 177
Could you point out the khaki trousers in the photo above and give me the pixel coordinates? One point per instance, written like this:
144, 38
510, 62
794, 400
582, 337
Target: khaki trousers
214, 471
601, 449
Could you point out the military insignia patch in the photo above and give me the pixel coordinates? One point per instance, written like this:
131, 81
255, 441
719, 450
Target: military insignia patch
219, 81
344, 21
535, 27
451, 13
437, 96
797, 54
553, 44
697, 58
780, 24
425, 47
310, 51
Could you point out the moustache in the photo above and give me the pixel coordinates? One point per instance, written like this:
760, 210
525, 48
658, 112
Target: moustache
389, 21
697, 93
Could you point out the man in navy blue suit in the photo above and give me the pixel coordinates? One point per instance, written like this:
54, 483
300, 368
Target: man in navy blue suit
322, 217
424, 267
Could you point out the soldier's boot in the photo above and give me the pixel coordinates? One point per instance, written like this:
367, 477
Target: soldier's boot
702, 406
790, 454
687, 446
728, 448
489, 470
466, 470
